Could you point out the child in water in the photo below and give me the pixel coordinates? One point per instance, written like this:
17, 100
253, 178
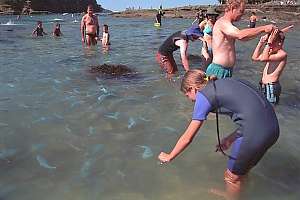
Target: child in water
56, 30
39, 31
270, 50
257, 131
105, 36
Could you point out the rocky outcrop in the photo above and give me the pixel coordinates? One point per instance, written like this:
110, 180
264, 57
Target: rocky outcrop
54, 6
270, 12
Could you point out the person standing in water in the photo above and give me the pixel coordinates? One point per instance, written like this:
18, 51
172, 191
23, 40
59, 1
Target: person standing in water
224, 36
178, 40
158, 16
270, 50
39, 30
105, 36
252, 20
207, 27
56, 30
257, 131
89, 27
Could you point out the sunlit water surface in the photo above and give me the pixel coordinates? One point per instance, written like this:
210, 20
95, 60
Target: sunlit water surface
67, 135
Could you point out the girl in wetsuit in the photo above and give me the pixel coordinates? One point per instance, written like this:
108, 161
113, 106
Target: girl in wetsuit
257, 123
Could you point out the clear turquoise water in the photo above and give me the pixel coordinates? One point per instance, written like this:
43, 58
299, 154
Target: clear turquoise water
67, 135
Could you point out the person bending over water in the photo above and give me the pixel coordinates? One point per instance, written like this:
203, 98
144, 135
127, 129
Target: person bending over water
39, 30
224, 36
178, 40
257, 131
89, 27
207, 27
56, 30
270, 50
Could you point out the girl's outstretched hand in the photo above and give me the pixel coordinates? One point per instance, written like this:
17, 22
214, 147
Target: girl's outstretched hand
164, 157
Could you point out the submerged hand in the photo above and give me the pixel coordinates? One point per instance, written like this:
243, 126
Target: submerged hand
164, 157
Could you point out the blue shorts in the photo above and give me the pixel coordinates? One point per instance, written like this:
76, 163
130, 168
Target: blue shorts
219, 71
271, 91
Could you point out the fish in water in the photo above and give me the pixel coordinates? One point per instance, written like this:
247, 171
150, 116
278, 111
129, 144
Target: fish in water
92, 130
168, 128
114, 115
144, 119
110, 69
85, 169
95, 149
131, 123
37, 147
147, 151
5, 153
43, 162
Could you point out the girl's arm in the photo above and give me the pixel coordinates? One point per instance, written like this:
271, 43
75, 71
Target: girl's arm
183, 142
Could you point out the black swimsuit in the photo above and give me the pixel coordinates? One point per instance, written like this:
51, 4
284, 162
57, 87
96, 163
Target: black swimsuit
39, 31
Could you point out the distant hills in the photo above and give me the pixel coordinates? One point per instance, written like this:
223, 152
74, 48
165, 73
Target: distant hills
54, 6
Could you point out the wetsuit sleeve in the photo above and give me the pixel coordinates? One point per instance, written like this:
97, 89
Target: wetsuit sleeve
202, 107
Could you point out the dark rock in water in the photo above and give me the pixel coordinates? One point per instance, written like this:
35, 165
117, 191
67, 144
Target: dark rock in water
114, 70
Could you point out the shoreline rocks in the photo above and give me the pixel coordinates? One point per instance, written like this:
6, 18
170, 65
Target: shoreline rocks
280, 13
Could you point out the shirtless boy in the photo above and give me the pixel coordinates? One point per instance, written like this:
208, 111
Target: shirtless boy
270, 50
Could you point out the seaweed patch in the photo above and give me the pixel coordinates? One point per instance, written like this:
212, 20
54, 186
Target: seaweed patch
110, 69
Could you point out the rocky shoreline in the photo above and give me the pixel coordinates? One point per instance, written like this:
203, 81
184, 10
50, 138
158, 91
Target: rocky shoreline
276, 13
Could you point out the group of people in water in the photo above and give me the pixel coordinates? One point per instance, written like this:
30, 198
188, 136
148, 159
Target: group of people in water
89, 29
216, 91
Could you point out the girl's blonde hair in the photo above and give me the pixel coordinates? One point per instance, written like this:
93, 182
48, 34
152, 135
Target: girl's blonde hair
195, 78
231, 4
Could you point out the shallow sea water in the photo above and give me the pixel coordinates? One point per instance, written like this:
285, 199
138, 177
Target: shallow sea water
67, 135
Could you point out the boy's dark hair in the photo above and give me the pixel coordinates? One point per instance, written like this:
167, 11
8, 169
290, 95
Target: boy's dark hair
90, 6
105, 26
